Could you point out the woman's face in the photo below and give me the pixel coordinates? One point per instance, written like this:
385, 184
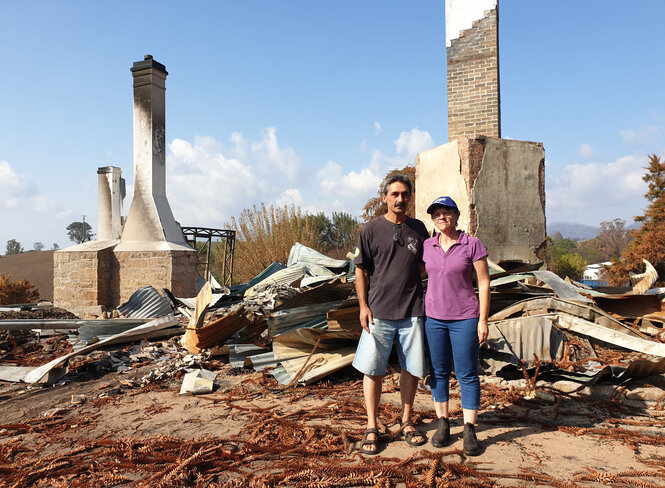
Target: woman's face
445, 218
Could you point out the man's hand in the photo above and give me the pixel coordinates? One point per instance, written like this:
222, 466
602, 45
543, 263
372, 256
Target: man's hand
366, 318
483, 330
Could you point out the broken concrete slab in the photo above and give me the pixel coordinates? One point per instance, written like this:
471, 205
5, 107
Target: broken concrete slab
198, 382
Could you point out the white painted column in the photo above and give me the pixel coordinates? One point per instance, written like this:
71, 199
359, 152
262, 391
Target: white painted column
109, 203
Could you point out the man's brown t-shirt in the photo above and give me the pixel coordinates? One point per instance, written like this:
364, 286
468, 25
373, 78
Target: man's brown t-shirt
391, 254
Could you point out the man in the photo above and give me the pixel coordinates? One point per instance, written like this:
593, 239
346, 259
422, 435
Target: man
391, 302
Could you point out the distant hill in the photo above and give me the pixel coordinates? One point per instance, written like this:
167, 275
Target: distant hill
574, 232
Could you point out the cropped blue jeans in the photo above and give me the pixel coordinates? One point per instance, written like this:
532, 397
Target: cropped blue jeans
454, 342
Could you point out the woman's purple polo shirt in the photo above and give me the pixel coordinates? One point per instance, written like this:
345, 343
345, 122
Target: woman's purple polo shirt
450, 294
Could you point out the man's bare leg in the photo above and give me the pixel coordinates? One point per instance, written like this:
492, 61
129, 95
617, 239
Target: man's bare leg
372, 393
408, 384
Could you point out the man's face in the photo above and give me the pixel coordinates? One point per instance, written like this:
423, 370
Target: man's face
398, 197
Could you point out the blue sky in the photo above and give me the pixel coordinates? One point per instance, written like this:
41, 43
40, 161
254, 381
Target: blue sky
313, 102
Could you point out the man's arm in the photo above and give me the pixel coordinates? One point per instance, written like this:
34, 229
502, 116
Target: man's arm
362, 285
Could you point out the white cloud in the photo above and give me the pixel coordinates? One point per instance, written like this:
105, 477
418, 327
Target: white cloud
599, 191
15, 190
269, 154
31, 215
292, 196
585, 151
204, 186
377, 128
648, 135
411, 143
208, 182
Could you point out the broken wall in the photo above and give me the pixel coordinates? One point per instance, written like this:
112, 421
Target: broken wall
499, 186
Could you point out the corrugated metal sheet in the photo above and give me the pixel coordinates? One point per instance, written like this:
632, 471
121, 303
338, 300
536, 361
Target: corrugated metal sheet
238, 353
304, 255
144, 303
563, 290
283, 320
285, 276
330, 292
272, 269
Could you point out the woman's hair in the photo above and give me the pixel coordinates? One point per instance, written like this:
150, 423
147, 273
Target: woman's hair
393, 179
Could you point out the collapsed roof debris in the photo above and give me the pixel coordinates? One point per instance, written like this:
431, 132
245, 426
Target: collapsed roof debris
543, 310
298, 323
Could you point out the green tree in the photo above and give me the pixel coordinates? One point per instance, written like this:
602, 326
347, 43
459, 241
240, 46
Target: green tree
338, 234
570, 265
558, 247
38, 246
79, 232
590, 250
13, 247
563, 258
648, 242
55, 246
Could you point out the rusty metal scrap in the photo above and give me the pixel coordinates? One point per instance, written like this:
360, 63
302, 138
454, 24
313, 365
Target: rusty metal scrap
216, 331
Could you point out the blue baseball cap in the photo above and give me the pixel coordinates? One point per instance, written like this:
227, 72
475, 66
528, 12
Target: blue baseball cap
443, 201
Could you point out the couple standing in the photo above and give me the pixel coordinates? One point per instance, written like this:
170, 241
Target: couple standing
392, 252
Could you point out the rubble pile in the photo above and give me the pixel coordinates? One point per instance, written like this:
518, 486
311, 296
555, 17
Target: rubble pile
555, 349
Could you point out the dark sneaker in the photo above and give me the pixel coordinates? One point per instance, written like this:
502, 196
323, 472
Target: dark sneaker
471, 447
442, 435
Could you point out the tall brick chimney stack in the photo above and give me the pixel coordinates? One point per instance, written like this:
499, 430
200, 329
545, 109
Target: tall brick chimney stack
472, 45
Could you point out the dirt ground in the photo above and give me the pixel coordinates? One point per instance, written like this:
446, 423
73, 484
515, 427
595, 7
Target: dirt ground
103, 429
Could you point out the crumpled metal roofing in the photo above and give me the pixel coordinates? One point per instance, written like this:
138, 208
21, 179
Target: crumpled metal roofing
286, 276
307, 256
146, 303
272, 269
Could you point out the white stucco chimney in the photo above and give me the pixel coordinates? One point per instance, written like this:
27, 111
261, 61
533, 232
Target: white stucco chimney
111, 192
150, 220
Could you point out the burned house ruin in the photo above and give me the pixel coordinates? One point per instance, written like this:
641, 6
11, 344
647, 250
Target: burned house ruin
499, 184
149, 249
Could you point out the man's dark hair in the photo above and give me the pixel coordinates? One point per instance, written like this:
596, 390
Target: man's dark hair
394, 179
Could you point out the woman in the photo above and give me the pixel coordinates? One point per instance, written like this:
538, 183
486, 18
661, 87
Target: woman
456, 320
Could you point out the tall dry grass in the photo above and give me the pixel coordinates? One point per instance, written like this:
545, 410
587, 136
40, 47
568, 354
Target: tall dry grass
266, 234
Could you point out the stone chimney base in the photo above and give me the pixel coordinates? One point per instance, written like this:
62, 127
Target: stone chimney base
93, 277
175, 270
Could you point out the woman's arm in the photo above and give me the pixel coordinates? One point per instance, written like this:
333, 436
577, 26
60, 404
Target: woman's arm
483, 280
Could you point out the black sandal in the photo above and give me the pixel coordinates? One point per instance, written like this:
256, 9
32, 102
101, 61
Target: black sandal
367, 442
408, 436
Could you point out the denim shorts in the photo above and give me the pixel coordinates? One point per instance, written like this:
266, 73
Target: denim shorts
374, 349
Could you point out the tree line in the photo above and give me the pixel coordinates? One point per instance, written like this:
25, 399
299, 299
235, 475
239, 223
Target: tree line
265, 234
77, 232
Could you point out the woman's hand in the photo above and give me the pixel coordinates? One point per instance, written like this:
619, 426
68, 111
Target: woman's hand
483, 330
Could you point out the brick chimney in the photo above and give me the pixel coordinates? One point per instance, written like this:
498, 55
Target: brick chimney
472, 46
